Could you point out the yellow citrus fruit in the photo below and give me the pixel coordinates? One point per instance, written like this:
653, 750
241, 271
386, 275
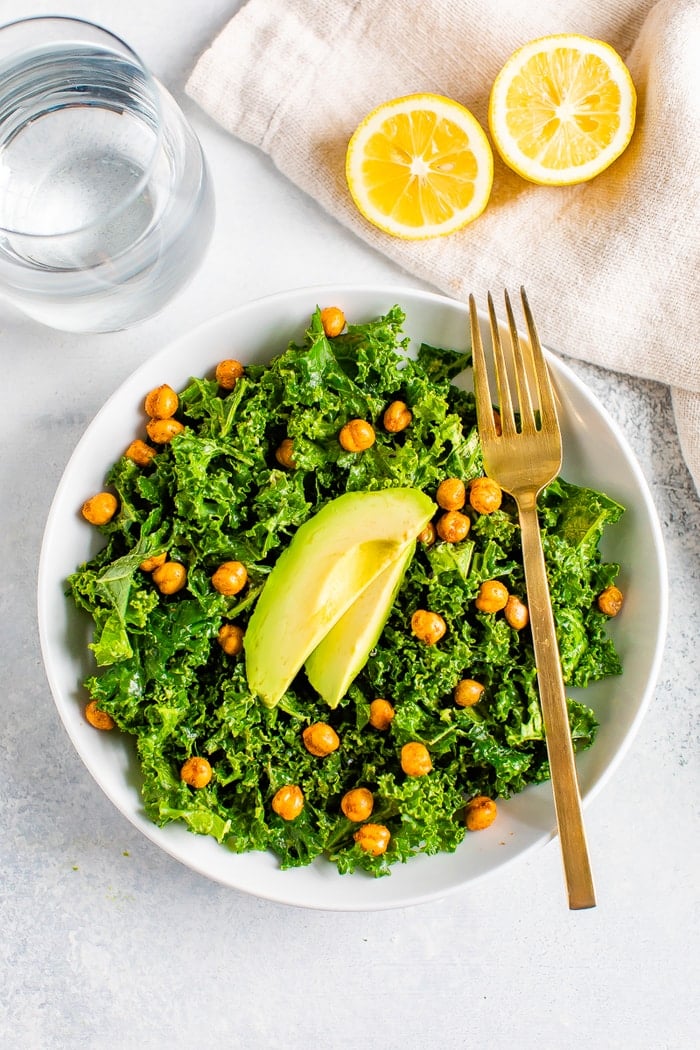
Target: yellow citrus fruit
420, 166
562, 109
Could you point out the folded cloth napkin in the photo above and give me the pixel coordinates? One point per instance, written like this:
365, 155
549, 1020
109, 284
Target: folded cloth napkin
611, 266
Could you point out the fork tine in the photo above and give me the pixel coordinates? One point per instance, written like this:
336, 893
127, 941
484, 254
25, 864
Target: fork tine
505, 401
522, 382
548, 408
487, 426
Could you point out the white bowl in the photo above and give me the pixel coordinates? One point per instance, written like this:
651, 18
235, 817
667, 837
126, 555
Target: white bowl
595, 454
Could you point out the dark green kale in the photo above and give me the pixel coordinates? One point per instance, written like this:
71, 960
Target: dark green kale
216, 492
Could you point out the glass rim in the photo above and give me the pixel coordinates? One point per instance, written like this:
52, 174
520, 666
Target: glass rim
150, 81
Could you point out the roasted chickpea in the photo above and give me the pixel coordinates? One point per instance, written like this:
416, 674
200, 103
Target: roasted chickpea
516, 613
381, 713
230, 638
492, 596
468, 692
140, 453
163, 430
162, 402
415, 759
373, 838
97, 718
230, 578
196, 772
320, 739
485, 495
357, 436
170, 577
228, 373
610, 600
397, 417
451, 494
357, 804
427, 535
100, 509
428, 627
497, 426
156, 560
480, 813
333, 320
288, 802
285, 454
453, 526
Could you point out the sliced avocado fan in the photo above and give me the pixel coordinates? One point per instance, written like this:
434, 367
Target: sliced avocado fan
332, 559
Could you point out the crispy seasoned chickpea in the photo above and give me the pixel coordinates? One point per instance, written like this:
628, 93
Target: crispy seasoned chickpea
196, 772
453, 526
451, 494
154, 562
415, 759
288, 802
468, 692
228, 373
485, 495
140, 453
480, 813
357, 804
162, 402
397, 417
97, 718
373, 838
427, 626
610, 600
492, 596
170, 577
357, 436
230, 578
427, 535
100, 509
284, 454
497, 422
381, 713
320, 739
230, 638
163, 430
516, 613
333, 320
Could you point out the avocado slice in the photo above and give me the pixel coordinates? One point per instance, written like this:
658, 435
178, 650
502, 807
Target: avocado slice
332, 558
340, 656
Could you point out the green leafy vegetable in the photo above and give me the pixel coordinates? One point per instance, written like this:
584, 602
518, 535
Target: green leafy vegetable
217, 493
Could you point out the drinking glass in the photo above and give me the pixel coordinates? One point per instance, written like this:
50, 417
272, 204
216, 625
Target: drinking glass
106, 207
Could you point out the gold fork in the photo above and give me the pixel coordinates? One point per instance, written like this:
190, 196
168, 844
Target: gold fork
523, 458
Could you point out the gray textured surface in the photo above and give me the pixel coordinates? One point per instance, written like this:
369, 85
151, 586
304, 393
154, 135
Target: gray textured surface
108, 943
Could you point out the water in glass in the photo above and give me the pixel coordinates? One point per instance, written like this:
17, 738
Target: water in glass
105, 201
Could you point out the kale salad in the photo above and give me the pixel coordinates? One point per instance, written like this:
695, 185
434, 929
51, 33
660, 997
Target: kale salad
240, 466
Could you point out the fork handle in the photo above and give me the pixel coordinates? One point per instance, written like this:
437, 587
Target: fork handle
560, 750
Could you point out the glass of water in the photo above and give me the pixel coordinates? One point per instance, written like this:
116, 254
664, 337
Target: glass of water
106, 206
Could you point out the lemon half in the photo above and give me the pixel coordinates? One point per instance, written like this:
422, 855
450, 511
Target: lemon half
420, 166
562, 109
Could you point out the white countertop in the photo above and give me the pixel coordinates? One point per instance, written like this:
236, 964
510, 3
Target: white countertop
109, 943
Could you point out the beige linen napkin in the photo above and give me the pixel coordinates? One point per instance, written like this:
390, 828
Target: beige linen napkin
611, 266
